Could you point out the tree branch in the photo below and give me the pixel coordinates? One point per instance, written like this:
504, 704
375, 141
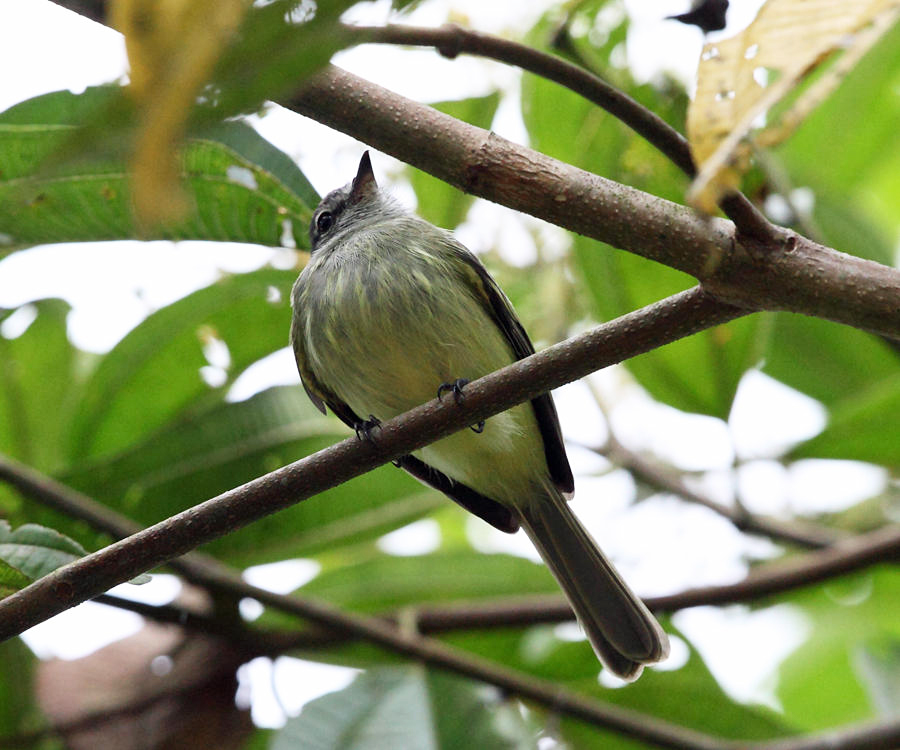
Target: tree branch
768, 579
627, 336
801, 534
807, 278
796, 275
451, 40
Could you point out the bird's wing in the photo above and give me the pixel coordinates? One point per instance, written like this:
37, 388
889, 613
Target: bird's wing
490, 511
501, 311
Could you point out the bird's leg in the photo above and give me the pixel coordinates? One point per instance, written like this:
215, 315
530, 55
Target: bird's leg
457, 388
364, 429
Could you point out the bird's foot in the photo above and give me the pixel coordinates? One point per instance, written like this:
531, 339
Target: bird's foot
456, 387
365, 428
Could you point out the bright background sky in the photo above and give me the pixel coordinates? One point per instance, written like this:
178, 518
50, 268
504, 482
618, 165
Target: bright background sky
113, 286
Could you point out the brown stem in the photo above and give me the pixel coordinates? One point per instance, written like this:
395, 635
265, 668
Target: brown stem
800, 534
451, 40
521, 381
764, 580
789, 273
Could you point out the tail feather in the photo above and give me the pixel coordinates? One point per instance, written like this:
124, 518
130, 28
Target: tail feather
624, 634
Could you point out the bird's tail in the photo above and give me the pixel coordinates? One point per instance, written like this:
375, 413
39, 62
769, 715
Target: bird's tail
624, 634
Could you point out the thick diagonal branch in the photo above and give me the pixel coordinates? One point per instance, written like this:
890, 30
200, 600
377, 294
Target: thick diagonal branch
628, 336
807, 278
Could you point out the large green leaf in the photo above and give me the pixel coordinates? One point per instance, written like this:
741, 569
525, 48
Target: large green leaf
280, 44
242, 188
407, 707
856, 375
862, 427
699, 374
439, 203
389, 582
205, 452
39, 382
820, 684
827, 361
153, 373
865, 109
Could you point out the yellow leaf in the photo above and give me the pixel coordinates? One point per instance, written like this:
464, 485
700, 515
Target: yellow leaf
741, 78
172, 47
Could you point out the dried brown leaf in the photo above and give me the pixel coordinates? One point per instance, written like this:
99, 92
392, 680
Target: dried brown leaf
741, 78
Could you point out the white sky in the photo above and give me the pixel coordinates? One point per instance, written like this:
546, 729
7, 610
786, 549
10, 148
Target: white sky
660, 545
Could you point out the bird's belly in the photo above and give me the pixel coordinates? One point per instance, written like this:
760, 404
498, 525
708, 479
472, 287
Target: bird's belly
385, 352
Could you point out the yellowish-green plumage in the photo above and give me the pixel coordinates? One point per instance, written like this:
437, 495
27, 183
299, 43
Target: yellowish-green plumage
388, 309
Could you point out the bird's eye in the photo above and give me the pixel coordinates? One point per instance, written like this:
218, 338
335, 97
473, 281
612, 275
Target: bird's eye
324, 222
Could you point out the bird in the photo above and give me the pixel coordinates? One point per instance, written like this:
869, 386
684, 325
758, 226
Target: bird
390, 312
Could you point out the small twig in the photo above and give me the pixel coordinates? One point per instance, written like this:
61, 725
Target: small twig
801, 534
763, 581
452, 40
843, 558
521, 381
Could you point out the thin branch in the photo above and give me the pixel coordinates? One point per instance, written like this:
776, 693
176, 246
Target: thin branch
413, 645
801, 534
868, 736
452, 40
627, 336
764, 580
810, 279
801, 276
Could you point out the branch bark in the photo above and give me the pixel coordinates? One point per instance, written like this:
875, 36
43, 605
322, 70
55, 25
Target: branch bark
627, 336
769, 579
806, 277
792, 274
451, 40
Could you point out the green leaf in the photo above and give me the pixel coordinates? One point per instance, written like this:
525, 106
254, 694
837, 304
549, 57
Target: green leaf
18, 709
865, 107
698, 374
153, 373
439, 203
11, 579
826, 361
821, 685
280, 44
853, 373
861, 427
35, 550
407, 707
242, 188
203, 453
39, 384
388, 582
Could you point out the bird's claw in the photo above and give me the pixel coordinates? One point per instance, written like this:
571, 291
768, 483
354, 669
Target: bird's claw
456, 387
364, 429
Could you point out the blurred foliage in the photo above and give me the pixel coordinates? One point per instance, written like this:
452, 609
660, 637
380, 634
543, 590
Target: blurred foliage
141, 429
699, 374
241, 189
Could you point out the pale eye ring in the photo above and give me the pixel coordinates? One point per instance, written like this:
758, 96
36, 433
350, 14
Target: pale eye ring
324, 222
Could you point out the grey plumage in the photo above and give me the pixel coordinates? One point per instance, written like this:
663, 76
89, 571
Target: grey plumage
389, 308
